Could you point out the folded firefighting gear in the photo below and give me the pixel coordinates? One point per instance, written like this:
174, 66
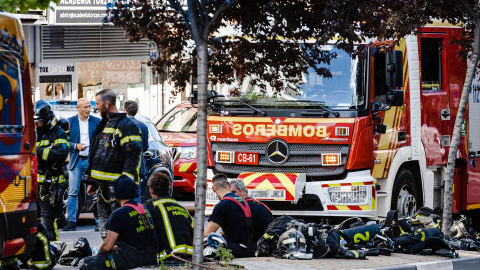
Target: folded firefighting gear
337, 251
359, 235
424, 239
267, 244
81, 249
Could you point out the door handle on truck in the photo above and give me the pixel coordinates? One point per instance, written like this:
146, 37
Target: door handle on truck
445, 114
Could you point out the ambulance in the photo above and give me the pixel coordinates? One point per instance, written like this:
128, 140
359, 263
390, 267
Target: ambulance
18, 161
372, 137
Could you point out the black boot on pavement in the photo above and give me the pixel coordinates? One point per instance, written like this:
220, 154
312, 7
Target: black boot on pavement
70, 226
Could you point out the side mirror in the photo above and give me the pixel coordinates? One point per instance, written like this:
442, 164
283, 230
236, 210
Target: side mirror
394, 68
148, 155
395, 97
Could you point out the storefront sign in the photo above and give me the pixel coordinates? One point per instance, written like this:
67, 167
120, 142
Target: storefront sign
56, 69
84, 12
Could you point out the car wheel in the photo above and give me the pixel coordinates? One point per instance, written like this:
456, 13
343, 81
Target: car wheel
405, 197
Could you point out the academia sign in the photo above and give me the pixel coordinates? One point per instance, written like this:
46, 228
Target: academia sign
84, 12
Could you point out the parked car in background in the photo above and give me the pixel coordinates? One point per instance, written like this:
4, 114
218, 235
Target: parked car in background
157, 158
178, 128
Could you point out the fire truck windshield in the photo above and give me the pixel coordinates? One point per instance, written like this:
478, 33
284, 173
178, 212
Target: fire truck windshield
344, 90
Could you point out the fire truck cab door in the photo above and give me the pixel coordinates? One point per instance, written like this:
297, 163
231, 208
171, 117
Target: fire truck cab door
437, 114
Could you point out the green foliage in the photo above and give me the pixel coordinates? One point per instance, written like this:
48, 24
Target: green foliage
263, 39
24, 5
162, 265
224, 254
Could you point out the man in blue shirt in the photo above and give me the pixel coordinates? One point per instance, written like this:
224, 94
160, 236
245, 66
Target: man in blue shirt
131, 108
131, 240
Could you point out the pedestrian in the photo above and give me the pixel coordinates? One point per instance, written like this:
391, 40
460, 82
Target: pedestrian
233, 214
52, 151
131, 108
82, 127
131, 240
115, 150
173, 223
261, 214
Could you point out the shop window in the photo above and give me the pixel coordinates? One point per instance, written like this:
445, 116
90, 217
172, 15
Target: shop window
431, 61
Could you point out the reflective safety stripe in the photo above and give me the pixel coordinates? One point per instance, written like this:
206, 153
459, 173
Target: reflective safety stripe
60, 141
46, 250
59, 179
130, 139
181, 248
290, 240
113, 131
46, 151
267, 236
129, 175
42, 143
55, 229
166, 221
104, 175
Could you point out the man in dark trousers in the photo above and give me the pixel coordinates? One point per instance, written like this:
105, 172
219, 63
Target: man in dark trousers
82, 127
131, 240
115, 151
52, 151
131, 108
173, 223
233, 214
261, 214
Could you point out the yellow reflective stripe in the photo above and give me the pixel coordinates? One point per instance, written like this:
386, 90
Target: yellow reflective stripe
59, 179
55, 229
42, 143
104, 175
113, 131
183, 249
46, 250
166, 221
162, 255
139, 163
130, 139
46, 151
129, 175
60, 141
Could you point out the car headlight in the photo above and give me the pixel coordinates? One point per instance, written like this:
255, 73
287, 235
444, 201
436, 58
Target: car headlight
188, 152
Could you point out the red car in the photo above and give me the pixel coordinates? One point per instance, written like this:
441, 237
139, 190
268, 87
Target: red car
178, 128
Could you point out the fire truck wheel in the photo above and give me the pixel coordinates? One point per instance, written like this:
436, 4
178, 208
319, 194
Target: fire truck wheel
405, 194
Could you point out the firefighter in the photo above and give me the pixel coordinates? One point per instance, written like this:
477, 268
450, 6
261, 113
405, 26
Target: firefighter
114, 151
233, 214
52, 151
131, 240
261, 214
173, 223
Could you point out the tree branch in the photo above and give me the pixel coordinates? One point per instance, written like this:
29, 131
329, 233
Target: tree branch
219, 11
178, 7
469, 9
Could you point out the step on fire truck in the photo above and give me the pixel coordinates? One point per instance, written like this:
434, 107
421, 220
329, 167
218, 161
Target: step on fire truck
373, 137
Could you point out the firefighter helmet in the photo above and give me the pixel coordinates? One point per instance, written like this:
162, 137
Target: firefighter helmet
292, 245
459, 229
64, 124
43, 112
212, 242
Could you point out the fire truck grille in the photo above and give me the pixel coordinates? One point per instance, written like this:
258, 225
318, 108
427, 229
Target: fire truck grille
304, 158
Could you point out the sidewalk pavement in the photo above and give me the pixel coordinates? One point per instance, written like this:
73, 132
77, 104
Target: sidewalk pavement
468, 260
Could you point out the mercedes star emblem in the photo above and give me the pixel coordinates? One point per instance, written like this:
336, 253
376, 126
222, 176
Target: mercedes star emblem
277, 151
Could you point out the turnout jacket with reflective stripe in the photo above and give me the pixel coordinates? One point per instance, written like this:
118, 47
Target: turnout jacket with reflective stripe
115, 149
52, 151
173, 225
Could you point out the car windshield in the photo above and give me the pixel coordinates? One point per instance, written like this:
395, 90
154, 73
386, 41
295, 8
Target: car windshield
153, 133
345, 89
180, 119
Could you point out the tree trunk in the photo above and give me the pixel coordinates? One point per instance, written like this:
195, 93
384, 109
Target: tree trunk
452, 154
202, 151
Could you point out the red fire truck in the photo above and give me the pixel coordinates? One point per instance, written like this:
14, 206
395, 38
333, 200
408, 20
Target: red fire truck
373, 137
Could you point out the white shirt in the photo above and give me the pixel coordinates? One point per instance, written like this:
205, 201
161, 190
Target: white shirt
84, 138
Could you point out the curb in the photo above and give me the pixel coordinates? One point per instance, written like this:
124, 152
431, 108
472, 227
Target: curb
472, 263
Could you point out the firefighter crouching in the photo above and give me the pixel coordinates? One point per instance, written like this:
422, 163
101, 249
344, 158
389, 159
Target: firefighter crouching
114, 151
52, 151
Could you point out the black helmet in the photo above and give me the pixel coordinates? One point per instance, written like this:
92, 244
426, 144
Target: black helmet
43, 112
64, 124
